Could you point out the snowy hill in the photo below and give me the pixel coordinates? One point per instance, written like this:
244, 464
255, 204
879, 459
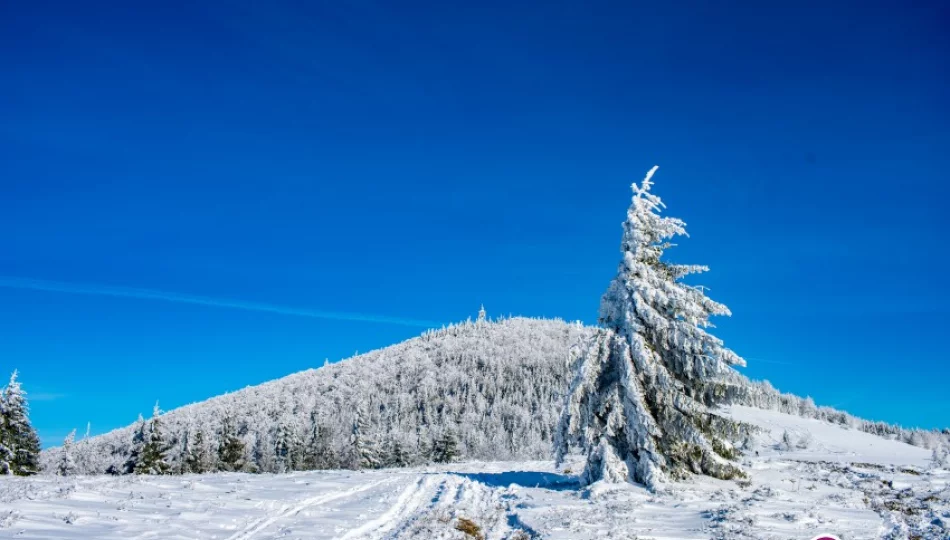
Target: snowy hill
495, 388
843, 482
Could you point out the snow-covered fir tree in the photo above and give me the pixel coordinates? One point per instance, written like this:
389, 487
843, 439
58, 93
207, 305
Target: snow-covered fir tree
287, 449
67, 465
196, 457
19, 443
365, 447
445, 448
640, 403
396, 454
135, 448
231, 448
318, 451
152, 458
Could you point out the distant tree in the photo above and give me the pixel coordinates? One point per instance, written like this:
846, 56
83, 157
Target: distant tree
286, 448
940, 457
788, 442
365, 449
131, 464
396, 454
67, 465
445, 448
19, 443
152, 459
262, 456
639, 405
318, 451
195, 456
231, 448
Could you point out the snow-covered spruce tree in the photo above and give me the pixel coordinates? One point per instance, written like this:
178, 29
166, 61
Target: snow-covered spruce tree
286, 449
152, 458
231, 448
135, 449
639, 405
445, 448
195, 457
19, 443
396, 454
67, 465
365, 449
318, 452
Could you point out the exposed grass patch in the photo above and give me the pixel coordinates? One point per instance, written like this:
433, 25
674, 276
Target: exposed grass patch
470, 528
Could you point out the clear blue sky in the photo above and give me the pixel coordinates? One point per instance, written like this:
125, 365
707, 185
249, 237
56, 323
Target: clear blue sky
413, 161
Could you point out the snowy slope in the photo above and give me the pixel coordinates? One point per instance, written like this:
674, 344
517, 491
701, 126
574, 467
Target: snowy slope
845, 482
829, 442
501, 381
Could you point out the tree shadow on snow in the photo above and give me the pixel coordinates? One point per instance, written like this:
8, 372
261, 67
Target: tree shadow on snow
534, 479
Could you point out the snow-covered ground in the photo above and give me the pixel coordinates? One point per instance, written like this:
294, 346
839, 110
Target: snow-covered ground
831, 480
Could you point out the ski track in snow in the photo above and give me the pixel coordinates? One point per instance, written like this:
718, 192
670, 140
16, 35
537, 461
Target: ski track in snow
847, 483
260, 524
409, 500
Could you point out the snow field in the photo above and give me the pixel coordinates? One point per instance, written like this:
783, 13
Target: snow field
845, 482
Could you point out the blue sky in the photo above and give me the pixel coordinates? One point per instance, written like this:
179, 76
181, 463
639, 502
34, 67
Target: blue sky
240, 190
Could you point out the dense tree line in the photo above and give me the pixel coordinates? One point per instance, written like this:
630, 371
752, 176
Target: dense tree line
477, 390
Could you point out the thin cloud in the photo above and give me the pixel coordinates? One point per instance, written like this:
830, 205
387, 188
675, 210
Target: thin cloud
180, 298
44, 396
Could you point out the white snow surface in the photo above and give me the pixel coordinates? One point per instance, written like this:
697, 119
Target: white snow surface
841, 481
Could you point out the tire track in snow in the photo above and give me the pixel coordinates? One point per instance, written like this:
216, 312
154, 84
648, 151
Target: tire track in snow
262, 523
409, 501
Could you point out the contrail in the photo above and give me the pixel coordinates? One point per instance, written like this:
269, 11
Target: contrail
152, 294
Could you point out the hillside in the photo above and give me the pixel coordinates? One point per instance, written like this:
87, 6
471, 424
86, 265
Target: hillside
495, 389
492, 385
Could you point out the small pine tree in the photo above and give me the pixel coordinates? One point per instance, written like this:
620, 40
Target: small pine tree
66, 465
230, 449
19, 443
445, 448
940, 457
286, 449
423, 444
318, 453
639, 404
365, 449
788, 443
135, 450
195, 458
396, 454
152, 459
